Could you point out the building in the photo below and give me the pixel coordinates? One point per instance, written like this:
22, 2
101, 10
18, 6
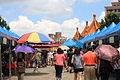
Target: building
115, 8
59, 39
51, 36
58, 34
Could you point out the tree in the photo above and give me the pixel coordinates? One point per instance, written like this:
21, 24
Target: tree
3, 23
111, 17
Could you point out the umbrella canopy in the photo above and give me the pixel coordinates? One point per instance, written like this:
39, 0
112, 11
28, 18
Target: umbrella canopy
106, 52
64, 47
24, 49
35, 37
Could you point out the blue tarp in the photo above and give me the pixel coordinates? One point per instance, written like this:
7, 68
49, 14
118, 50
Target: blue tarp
10, 33
116, 28
2, 30
95, 35
90, 37
108, 30
71, 43
83, 40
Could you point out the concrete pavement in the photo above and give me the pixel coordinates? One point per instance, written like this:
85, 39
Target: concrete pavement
47, 73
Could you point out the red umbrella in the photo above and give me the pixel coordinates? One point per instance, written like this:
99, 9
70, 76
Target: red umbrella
106, 52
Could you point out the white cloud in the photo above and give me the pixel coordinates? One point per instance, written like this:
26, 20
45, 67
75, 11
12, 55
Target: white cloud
68, 28
24, 25
91, 1
7, 2
48, 8
113, 0
102, 15
51, 8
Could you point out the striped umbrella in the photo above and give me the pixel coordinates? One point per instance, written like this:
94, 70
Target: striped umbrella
35, 37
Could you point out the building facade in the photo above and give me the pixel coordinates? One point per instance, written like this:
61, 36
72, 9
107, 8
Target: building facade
59, 39
115, 8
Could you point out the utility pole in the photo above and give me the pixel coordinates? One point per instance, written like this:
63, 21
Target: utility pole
1, 78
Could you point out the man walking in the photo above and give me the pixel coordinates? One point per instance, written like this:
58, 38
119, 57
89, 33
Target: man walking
89, 60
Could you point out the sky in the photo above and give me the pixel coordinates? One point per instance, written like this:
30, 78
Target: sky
50, 16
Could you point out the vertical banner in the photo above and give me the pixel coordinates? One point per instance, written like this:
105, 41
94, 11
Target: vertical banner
0, 60
111, 40
91, 43
100, 42
13, 43
4, 40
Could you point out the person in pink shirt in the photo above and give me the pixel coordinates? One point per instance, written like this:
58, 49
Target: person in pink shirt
59, 59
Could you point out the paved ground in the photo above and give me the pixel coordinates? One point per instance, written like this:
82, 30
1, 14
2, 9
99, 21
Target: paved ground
47, 73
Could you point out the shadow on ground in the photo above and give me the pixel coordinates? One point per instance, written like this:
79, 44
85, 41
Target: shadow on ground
35, 74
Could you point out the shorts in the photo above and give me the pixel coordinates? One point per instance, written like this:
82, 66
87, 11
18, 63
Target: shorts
78, 70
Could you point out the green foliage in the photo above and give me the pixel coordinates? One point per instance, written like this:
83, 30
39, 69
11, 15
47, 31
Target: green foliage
111, 17
3, 23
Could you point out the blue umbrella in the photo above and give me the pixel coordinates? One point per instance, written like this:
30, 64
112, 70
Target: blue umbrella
24, 49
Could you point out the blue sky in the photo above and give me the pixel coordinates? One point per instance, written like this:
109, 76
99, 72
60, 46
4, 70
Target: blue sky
50, 16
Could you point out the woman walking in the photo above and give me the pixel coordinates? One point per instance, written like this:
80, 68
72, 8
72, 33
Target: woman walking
77, 65
59, 59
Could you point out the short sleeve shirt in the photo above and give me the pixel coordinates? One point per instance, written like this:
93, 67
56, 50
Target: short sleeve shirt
60, 58
89, 58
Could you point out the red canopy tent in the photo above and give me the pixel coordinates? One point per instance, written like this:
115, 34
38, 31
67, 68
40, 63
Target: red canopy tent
45, 45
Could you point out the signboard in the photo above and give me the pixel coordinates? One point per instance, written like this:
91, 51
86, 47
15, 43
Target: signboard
91, 43
100, 42
4, 40
13, 43
86, 44
111, 40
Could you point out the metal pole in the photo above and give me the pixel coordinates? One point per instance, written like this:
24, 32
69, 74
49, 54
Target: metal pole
0, 62
10, 60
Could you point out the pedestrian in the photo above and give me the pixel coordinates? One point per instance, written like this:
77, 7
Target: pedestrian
36, 58
69, 58
81, 52
105, 69
89, 59
77, 65
21, 65
44, 58
59, 59
117, 69
50, 58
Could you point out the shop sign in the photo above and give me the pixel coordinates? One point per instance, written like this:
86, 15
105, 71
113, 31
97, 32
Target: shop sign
4, 40
100, 42
13, 42
111, 40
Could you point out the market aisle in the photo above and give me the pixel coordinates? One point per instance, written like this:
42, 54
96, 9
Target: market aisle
47, 73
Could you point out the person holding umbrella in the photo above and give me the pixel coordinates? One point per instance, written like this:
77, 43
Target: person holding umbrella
117, 69
21, 65
105, 53
21, 50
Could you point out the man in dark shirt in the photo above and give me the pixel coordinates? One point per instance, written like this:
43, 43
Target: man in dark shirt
69, 58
